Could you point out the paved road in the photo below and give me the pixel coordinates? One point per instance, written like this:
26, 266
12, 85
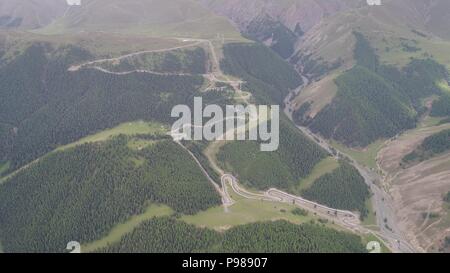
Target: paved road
382, 202
226, 199
138, 71
346, 219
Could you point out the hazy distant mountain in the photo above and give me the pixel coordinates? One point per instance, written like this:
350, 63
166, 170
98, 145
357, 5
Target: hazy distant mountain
278, 24
30, 13
360, 77
158, 17
292, 13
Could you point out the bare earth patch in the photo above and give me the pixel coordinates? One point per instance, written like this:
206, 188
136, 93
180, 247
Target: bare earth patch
419, 189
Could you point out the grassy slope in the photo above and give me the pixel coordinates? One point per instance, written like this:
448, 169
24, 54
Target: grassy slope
161, 18
128, 226
157, 177
264, 237
245, 211
99, 44
387, 28
344, 188
366, 156
269, 79
432, 146
128, 128
370, 220
325, 166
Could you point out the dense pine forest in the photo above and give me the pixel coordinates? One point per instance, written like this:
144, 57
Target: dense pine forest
197, 148
433, 145
441, 107
270, 79
294, 159
344, 188
282, 38
88, 189
43, 105
377, 101
268, 76
170, 235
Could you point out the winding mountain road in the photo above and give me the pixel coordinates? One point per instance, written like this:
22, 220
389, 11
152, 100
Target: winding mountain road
74, 68
347, 219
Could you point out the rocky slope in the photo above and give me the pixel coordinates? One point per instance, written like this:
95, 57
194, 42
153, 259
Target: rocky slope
292, 13
279, 24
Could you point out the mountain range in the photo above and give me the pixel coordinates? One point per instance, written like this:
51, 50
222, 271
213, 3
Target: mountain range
85, 100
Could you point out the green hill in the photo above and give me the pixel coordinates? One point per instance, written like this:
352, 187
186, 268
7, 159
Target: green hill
376, 101
267, 75
90, 188
184, 18
283, 169
265, 237
43, 105
398, 30
434, 145
344, 188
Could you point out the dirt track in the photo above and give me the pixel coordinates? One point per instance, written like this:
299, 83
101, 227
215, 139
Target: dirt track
418, 190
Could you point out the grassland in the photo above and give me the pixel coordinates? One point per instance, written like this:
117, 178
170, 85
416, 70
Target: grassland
159, 18
391, 52
129, 128
245, 211
430, 122
121, 229
386, 31
443, 85
99, 44
366, 156
370, 220
319, 94
325, 166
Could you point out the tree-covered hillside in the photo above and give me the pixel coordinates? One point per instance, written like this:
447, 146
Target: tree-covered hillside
170, 235
81, 193
441, 107
344, 188
436, 144
269, 78
294, 159
43, 105
376, 101
183, 61
282, 39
